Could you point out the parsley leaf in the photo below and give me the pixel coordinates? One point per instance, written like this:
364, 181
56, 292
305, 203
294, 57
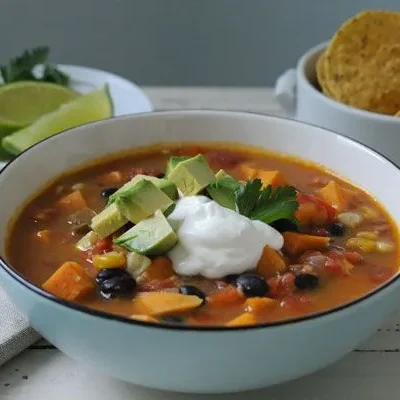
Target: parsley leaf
269, 204
21, 68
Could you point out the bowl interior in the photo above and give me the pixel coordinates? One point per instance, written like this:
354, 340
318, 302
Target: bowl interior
30, 171
308, 62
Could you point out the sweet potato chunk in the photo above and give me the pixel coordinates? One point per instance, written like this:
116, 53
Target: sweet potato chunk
335, 195
242, 320
297, 243
311, 213
225, 297
268, 177
161, 303
143, 318
159, 269
69, 282
270, 263
258, 304
72, 202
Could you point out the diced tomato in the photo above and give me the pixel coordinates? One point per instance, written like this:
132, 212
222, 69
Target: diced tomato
281, 285
103, 246
287, 283
274, 287
334, 267
318, 231
225, 297
305, 197
310, 253
157, 285
353, 257
379, 274
223, 159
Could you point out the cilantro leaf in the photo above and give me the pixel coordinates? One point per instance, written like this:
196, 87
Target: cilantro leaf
267, 205
247, 197
275, 204
21, 68
54, 75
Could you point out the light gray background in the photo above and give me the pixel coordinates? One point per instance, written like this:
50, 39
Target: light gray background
177, 42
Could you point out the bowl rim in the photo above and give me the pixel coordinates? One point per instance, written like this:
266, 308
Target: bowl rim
301, 69
14, 274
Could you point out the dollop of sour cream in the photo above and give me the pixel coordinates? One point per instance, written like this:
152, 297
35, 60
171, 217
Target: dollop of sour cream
215, 241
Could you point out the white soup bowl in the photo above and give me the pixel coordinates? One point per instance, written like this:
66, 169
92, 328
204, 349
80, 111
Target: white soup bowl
190, 359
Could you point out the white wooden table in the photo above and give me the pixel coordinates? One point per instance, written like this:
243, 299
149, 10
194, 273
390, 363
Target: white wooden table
370, 372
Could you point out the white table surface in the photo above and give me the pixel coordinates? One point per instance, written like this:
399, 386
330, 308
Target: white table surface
370, 372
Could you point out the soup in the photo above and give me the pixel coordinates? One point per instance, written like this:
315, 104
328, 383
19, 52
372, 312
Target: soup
204, 235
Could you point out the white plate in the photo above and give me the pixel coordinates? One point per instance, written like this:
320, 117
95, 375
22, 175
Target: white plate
127, 97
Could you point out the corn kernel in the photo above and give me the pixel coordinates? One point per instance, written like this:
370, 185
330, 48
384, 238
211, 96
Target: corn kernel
112, 259
368, 212
350, 219
362, 244
384, 247
368, 235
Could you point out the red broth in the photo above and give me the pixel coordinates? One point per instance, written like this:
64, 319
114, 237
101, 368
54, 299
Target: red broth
347, 259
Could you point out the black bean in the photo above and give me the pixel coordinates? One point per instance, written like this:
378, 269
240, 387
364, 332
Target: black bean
337, 229
161, 175
106, 193
108, 273
284, 225
306, 281
118, 286
231, 279
192, 291
252, 285
172, 319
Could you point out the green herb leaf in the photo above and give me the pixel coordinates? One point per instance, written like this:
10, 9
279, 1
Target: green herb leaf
21, 68
267, 205
275, 204
247, 197
54, 75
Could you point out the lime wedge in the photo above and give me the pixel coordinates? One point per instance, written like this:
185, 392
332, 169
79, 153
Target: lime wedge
90, 107
22, 103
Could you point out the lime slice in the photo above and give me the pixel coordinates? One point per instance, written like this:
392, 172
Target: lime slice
90, 107
22, 103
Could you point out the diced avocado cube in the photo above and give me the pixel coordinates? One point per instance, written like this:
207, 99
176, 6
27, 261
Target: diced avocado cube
87, 241
173, 162
141, 200
108, 221
136, 264
223, 190
152, 236
165, 185
192, 175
